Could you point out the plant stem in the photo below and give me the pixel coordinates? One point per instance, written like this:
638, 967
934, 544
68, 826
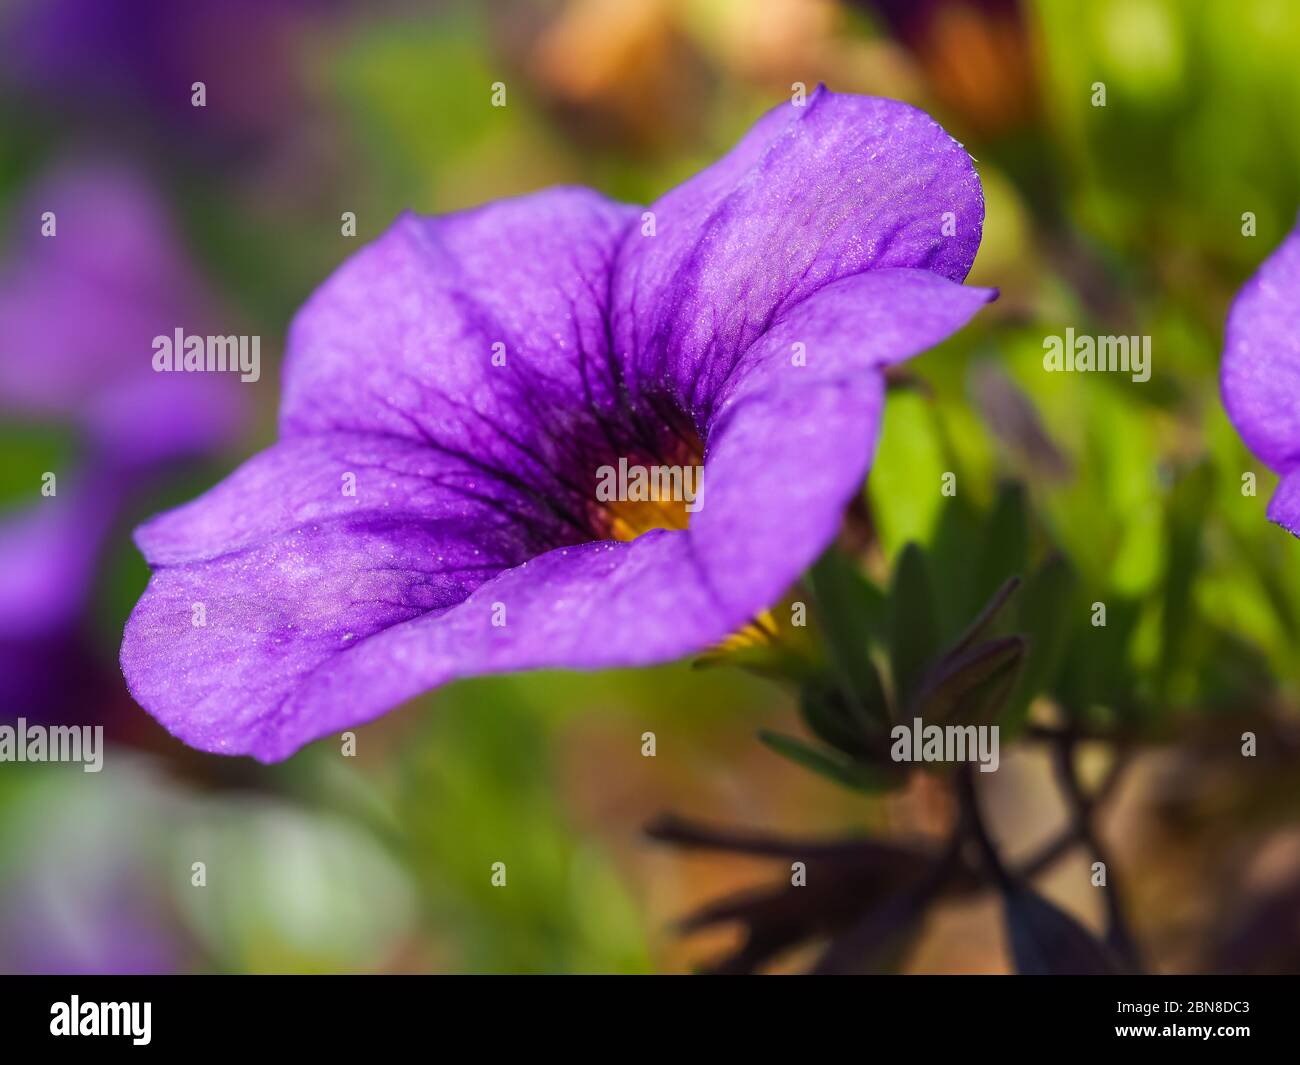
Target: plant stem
1081, 811
971, 825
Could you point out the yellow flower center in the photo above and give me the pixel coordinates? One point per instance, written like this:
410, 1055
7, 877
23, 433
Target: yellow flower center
634, 495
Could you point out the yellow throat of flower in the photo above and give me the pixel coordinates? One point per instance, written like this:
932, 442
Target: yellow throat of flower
626, 520
633, 496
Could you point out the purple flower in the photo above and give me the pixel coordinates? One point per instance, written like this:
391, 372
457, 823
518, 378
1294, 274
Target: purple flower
1260, 374
78, 311
47, 559
133, 56
469, 375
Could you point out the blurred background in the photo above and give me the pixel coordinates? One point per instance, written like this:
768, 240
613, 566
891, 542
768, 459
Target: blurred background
1127, 218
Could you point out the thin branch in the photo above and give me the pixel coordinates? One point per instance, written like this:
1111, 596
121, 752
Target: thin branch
1081, 811
971, 826
1057, 848
669, 828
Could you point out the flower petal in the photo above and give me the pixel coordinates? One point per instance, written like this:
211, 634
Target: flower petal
354, 481
789, 444
1284, 507
357, 624
1260, 373
402, 338
323, 612
290, 570
811, 195
597, 605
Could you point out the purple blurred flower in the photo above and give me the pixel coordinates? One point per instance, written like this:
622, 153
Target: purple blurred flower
78, 311
1260, 373
473, 543
143, 56
47, 561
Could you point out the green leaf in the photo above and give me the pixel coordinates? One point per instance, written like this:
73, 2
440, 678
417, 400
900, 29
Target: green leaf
852, 774
909, 454
987, 617
1096, 669
1048, 615
1186, 519
852, 613
830, 719
1005, 544
970, 685
914, 635
950, 561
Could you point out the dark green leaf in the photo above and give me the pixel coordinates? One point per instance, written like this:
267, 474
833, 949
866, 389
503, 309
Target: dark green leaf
1047, 941
1096, 669
1185, 520
914, 631
1048, 615
988, 616
852, 612
970, 686
852, 774
830, 719
950, 561
1004, 546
